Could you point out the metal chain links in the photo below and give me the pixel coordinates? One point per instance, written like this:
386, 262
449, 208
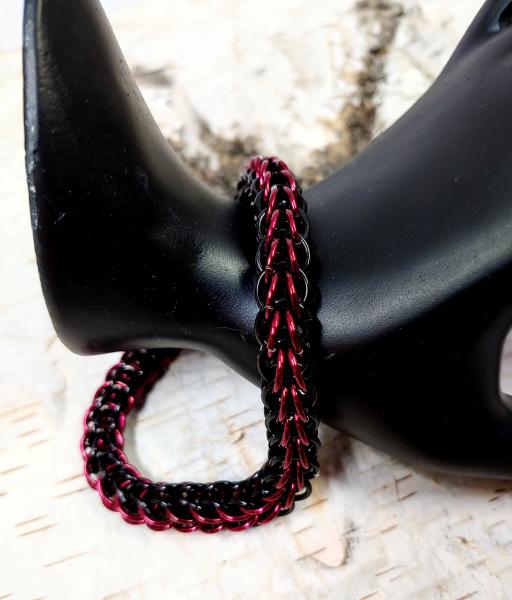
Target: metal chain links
283, 328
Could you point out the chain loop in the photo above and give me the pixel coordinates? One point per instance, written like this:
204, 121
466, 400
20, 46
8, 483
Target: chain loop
283, 328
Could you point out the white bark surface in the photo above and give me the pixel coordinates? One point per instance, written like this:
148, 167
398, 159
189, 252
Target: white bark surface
224, 78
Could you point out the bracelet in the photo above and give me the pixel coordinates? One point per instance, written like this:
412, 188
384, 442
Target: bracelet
284, 331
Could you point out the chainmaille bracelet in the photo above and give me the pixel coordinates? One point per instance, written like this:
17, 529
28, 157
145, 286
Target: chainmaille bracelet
283, 328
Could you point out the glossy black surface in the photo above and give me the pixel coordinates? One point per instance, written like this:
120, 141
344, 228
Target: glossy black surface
412, 241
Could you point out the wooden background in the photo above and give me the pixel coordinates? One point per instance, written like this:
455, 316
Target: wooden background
330, 75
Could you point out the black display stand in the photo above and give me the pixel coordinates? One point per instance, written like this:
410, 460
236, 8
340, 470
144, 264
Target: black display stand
412, 241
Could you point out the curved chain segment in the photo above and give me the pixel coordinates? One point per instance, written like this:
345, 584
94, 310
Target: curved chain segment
283, 328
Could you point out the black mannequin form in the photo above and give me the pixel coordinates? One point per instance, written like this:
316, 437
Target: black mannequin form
411, 241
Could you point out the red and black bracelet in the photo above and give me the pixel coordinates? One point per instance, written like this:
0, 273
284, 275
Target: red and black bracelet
284, 329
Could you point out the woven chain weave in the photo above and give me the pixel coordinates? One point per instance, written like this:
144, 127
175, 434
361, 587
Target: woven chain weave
283, 328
